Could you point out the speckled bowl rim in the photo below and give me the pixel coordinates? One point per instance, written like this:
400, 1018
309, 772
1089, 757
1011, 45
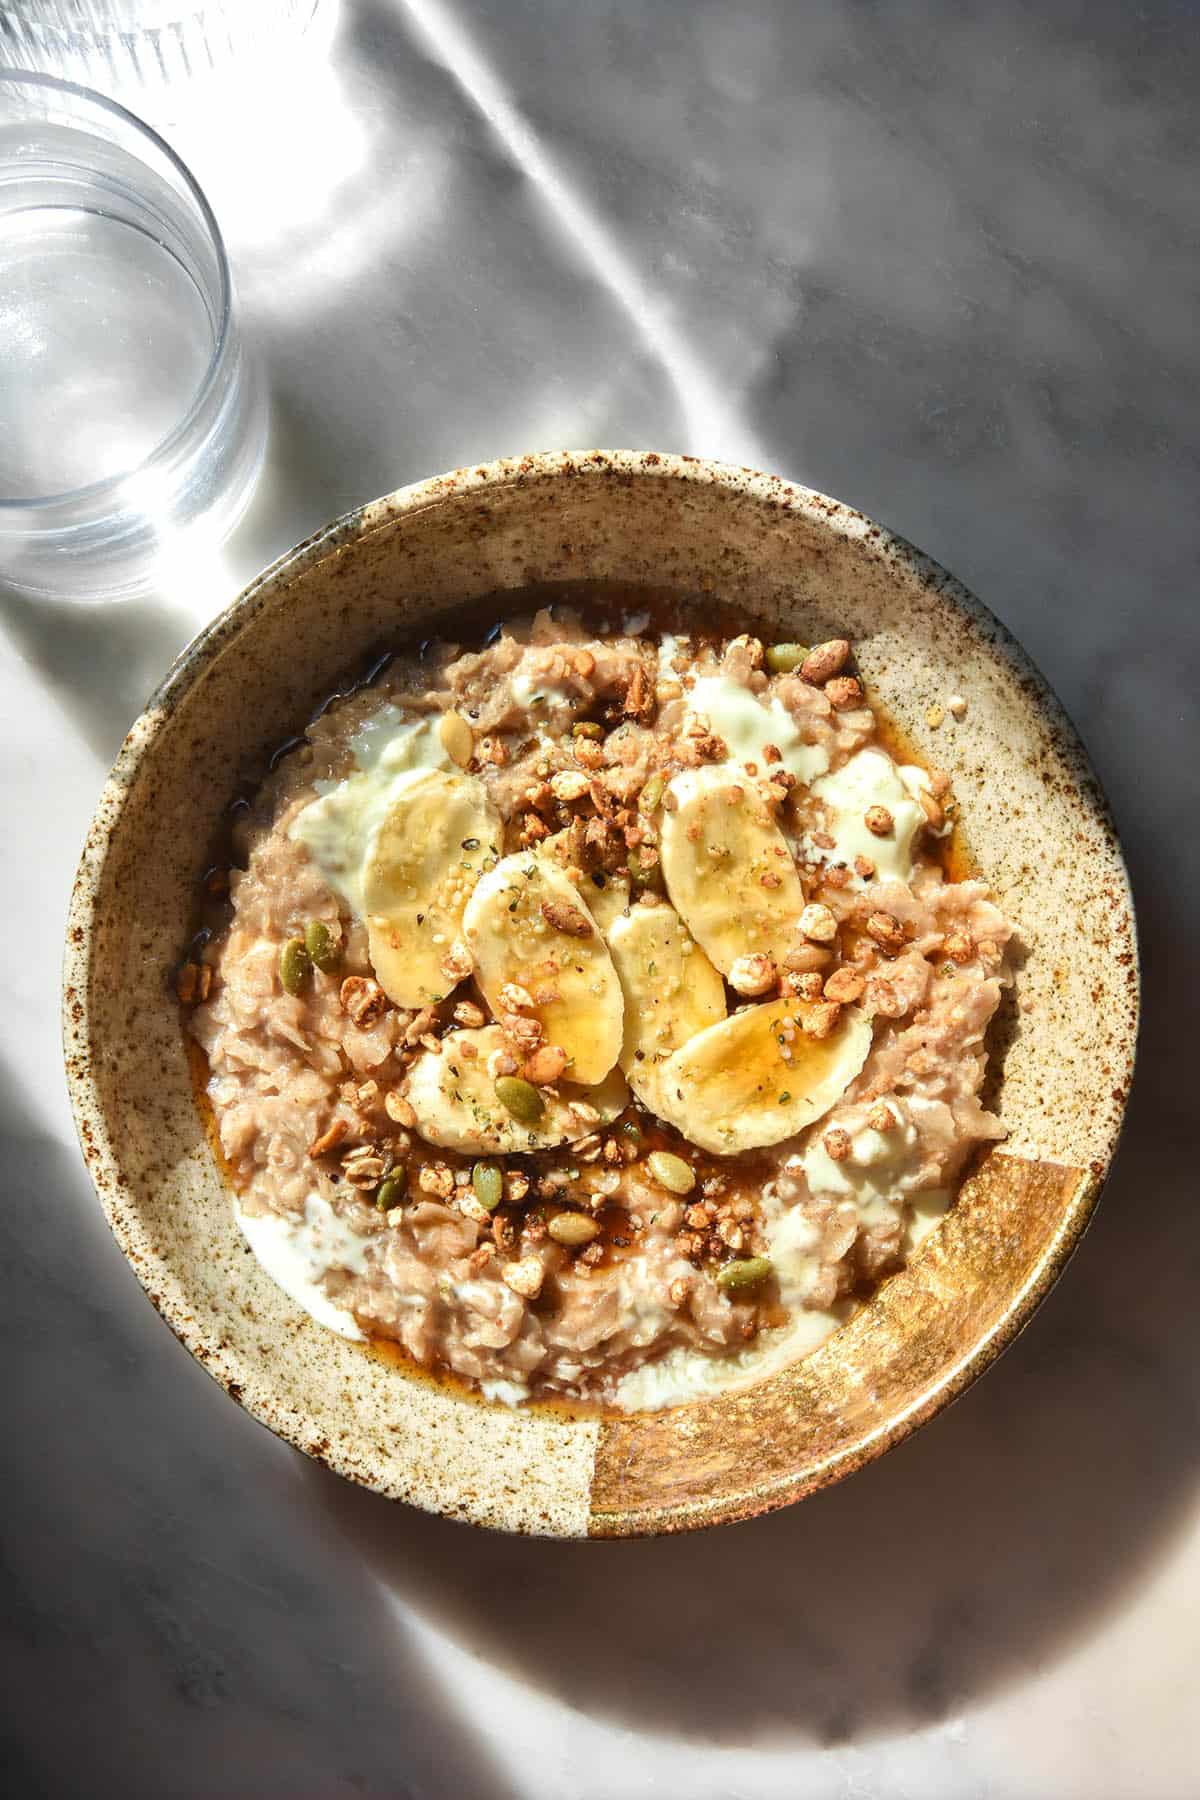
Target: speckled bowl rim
820, 510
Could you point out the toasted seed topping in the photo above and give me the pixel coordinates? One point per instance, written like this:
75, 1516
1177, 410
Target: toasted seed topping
825, 660
294, 965
645, 867
781, 659
651, 794
515, 998
819, 1020
844, 692
844, 985
398, 1109
329, 1140
745, 1275
488, 1183
524, 1277
818, 923
364, 1000
886, 931
458, 740
573, 1229
565, 917
321, 945
806, 987
546, 1065
436, 1179
391, 1191
362, 1169
520, 1098
807, 957
881, 997
569, 784
457, 962
671, 1172
753, 975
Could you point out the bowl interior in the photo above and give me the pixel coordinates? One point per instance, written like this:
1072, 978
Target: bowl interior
1036, 825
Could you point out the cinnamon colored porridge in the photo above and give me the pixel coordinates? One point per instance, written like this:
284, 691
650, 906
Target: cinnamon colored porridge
588, 1011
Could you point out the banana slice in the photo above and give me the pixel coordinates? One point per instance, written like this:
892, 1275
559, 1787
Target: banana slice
730, 1088
671, 990
457, 1106
606, 904
419, 868
529, 927
727, 866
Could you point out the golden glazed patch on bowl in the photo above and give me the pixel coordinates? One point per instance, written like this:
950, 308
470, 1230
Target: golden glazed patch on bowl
808, 570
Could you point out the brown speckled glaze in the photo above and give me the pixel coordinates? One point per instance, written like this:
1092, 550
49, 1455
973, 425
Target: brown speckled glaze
1036, 824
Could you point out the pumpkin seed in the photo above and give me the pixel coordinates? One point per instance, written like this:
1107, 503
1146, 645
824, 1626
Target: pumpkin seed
520, 1098
572, 1228
783, 658
488, 1183
629, 1128
319, 942
294, 965
671, 1172
588, 728
740, 1277
647, 874
391, 1192
651, 794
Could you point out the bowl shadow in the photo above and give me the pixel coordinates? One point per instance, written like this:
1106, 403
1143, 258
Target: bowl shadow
164, 1560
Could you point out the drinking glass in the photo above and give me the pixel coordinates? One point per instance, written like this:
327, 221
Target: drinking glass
131, 421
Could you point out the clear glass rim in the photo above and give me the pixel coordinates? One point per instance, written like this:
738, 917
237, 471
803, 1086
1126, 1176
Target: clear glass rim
162, 450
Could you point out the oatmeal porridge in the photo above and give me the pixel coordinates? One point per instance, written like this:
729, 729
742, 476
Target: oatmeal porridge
589, 1012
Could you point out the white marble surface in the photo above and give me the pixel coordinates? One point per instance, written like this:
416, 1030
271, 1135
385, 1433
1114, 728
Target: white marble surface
939, 261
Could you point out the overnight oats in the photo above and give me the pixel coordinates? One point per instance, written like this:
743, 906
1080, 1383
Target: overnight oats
589, 1013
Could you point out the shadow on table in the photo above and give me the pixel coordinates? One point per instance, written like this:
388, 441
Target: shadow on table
1004, 1533
167, 1565
103, 660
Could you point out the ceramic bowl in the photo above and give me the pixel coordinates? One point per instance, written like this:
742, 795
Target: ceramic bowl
1035, 823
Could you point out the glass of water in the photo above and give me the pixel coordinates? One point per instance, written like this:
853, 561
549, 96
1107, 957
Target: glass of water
132, 426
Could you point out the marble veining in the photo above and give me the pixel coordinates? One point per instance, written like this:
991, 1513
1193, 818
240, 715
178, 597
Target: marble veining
937, 261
